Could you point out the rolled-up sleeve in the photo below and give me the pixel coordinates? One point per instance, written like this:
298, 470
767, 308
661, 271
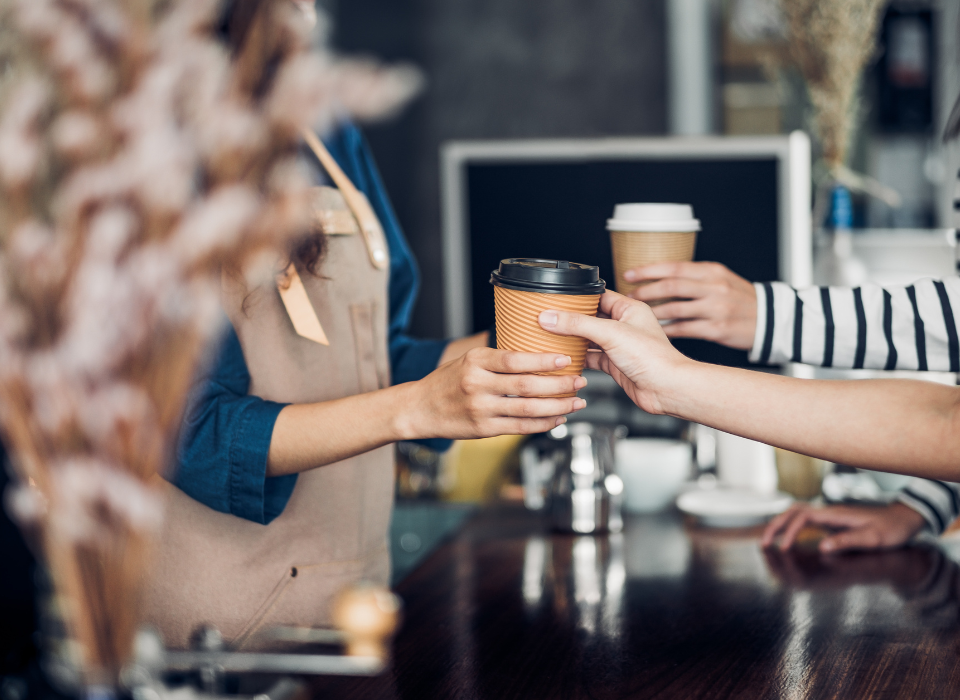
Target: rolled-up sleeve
225, 442
412, 359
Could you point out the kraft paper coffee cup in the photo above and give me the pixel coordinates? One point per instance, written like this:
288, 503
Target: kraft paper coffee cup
523, 287
644, 234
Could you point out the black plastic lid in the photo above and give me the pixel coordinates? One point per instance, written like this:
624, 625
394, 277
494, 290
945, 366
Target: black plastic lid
547, 276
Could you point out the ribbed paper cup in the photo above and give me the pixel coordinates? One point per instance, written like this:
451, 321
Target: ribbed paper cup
638, 248
518, 325
517, 286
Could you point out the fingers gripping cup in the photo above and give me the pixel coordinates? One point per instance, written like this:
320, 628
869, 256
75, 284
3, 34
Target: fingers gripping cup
523, 287
644, 234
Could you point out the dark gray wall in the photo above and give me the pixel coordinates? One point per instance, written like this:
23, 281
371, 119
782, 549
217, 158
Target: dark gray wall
502, 69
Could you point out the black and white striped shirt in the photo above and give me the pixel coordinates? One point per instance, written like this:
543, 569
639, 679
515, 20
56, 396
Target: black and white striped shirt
869, 327
866, 327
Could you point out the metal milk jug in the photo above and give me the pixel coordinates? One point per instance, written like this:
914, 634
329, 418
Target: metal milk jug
571, 477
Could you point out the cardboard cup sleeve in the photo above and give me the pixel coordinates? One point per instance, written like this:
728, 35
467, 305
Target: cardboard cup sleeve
638, 248
518, 325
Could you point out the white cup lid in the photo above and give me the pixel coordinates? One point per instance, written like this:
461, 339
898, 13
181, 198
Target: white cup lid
653, 217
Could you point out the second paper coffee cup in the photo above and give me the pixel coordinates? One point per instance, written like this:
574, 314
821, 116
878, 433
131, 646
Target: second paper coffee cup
644, 234
523, 287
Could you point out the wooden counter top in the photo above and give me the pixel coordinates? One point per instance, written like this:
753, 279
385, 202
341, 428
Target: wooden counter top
666, 610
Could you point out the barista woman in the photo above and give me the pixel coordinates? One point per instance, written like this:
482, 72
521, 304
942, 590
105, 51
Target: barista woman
285, 483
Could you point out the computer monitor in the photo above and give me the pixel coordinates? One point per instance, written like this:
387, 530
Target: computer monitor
551, 199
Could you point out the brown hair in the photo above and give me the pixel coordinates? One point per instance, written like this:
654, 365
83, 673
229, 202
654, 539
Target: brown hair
235, 25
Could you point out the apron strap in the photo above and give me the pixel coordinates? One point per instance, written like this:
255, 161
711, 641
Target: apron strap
292, 292
359, 204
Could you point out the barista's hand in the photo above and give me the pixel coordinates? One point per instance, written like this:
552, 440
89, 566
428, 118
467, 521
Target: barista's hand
862, 527
635, 351
488, 392
718, 305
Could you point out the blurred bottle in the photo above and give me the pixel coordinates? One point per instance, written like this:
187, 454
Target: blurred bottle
799, 475
838, 266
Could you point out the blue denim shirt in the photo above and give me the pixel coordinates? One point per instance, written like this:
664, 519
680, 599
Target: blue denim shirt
225, 436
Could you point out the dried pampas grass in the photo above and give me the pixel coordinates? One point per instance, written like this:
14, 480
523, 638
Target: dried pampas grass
831, 42
137, 158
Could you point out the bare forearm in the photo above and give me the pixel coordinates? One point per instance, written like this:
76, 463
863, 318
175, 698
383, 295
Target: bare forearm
313, 435
882, 424
894, 425
483, 392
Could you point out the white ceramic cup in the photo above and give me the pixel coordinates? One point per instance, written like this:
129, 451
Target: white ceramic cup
653, 471
746, 464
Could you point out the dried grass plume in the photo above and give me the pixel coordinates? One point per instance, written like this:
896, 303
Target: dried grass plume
831, 42
137, 158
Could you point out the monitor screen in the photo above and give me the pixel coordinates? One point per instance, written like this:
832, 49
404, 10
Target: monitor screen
559, 210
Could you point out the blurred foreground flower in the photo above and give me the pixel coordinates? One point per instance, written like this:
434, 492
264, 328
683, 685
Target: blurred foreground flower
138, 159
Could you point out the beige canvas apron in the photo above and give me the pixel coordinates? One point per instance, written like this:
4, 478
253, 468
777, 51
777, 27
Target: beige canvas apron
243, 577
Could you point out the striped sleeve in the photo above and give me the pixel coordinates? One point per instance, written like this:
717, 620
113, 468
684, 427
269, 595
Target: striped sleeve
937, 501
867, 327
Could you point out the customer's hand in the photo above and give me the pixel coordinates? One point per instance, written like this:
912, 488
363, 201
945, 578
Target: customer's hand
488, 392
635, 351
862, 527
715, 303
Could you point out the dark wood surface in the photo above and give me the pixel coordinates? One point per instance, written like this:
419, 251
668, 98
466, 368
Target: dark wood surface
666, 610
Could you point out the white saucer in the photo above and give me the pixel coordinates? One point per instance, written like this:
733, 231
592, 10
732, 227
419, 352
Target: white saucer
733, 507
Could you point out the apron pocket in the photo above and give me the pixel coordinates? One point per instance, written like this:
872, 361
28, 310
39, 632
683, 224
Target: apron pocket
372, 366
302, 598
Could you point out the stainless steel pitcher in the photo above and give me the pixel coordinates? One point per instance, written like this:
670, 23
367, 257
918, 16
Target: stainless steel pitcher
570, 476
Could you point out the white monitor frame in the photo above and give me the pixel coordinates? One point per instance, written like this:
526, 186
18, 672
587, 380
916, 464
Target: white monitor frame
792, 153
